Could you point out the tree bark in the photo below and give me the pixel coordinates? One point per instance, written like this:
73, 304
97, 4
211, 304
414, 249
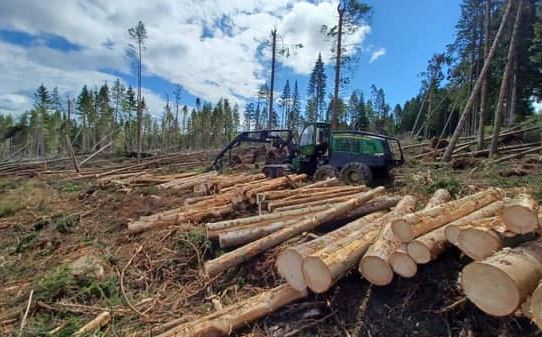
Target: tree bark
414, 225
335, 112
222, 263
483, 73
307, 198
499, 110
483, 95
225, 321
499, 284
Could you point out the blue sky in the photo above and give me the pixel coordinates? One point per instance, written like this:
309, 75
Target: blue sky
210, 48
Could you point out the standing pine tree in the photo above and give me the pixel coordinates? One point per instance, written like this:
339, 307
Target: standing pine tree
285, 103
139, 35
316, 91
42, 104
294, 119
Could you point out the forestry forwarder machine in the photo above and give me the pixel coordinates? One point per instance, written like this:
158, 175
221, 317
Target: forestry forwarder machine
356, 157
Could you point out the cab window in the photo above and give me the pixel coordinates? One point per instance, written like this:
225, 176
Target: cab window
307, 136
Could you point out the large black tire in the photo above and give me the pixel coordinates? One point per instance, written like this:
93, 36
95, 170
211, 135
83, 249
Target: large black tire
356, 173
326, 171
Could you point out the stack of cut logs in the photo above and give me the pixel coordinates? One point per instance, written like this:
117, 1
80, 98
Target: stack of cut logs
380, 235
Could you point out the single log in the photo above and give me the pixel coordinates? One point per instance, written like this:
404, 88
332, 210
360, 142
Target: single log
216, 266
451, 231
480, 240
242, 236
327, 201
225, 321
214, 227
313, 197
374, 265
272, 195
520, 215
101, 320
324, 183
414, 225
177, 217
499, 284
320, 272
402, 264
536, 306
289, 262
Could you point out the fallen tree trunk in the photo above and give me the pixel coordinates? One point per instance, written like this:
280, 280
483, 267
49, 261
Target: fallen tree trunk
290, 261
499, 284
452, 230
314, 197
517, 155
213, 228
101, 320
520, 215
242, 236
327, 201
223, 262
414, 225
273, 195
375, 264
225, 321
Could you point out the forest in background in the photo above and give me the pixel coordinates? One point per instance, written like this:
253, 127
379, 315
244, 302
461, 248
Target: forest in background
111, 116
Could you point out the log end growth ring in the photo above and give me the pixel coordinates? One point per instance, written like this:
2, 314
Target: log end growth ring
490, 289
520, 219
419, 252
402, 230
403, 264
376, 270
289, 264
316, 274
478, 244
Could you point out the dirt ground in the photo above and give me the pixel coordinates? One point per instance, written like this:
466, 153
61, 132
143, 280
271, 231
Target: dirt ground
47, 223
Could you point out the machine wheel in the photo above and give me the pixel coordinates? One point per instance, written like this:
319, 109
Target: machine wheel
356, 173
325, 171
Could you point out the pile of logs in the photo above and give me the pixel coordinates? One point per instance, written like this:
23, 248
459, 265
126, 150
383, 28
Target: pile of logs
381, 236
203, 207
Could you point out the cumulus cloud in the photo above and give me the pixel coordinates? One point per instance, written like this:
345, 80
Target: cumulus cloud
377, 54
213, 48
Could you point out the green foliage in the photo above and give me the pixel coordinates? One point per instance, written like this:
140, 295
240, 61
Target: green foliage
55, 284
450, 183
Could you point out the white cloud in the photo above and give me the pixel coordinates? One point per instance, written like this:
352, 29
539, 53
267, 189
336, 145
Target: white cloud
377, 54
210, 47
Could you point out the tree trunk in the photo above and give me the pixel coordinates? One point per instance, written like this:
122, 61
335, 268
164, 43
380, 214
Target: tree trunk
335, 110
499, 284
520, 215
225, 321
480, 240
139, 106
328, 196
513, 95
499, 110
414, 225
483, 96
222, 263
483, 73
